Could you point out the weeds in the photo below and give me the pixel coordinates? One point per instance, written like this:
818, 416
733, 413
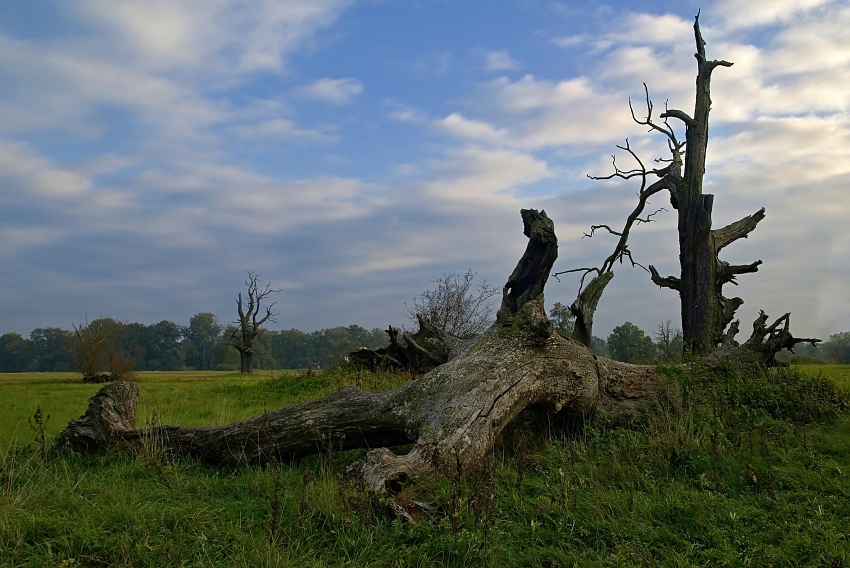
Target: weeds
38, 425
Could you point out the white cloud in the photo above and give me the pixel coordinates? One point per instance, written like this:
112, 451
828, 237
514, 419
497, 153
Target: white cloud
204, 35
334, 91
477, 174
570, 41
649, 29
280, 129
738, 14
26, 171
564, 113
166, 63
457, 125
405, 113
501, 61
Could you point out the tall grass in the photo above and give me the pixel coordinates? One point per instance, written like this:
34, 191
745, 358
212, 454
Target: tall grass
732, 470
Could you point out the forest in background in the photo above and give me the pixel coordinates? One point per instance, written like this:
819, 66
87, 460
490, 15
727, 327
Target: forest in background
203, 345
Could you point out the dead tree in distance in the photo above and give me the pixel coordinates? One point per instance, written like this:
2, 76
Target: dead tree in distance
250, 320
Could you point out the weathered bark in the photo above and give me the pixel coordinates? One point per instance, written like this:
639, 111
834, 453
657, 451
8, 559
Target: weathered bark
418, 352
528, 279
705, 313
585, 306
761, 347
454, 412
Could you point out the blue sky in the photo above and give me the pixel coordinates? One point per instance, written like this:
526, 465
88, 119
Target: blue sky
152, 152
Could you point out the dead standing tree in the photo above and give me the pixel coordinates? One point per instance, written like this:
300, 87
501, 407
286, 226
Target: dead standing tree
250, 321
706, 313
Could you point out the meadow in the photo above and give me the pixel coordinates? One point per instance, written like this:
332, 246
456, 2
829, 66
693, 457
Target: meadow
744, 469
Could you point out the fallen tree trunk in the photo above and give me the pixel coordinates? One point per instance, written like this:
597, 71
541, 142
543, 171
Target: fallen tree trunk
453, 413
456, 411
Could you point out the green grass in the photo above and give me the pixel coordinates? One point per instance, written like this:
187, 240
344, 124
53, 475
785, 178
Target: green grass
838, 373
187, 398
747, 469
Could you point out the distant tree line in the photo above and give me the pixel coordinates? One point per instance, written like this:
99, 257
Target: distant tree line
201, 345
631, 344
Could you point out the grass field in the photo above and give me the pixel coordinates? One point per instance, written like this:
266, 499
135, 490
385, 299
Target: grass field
735, 471
187, 398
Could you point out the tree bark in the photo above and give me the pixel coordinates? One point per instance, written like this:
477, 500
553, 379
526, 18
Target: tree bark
416, 352
702, 310
454, 412
246, 361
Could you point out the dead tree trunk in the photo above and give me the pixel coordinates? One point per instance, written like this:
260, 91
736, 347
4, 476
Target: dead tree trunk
706, 313
703, 317
454, 412
250, 322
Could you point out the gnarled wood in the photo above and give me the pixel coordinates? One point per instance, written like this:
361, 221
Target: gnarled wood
418, 352
585, 306
454, 412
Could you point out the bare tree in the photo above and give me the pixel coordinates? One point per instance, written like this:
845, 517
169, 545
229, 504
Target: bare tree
706, 313
252, 315
668, 340
455, 306
98, 353
87, 350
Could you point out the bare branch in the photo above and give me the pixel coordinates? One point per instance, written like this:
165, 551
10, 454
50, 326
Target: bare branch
666, 130
667, 282
727, 272
594, 227
681, 115
737, 230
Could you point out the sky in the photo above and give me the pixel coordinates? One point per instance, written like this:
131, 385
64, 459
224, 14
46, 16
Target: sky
351, 152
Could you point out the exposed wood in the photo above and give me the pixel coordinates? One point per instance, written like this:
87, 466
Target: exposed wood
454, 412
525, 284
418, 352
585, 305
762, 345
